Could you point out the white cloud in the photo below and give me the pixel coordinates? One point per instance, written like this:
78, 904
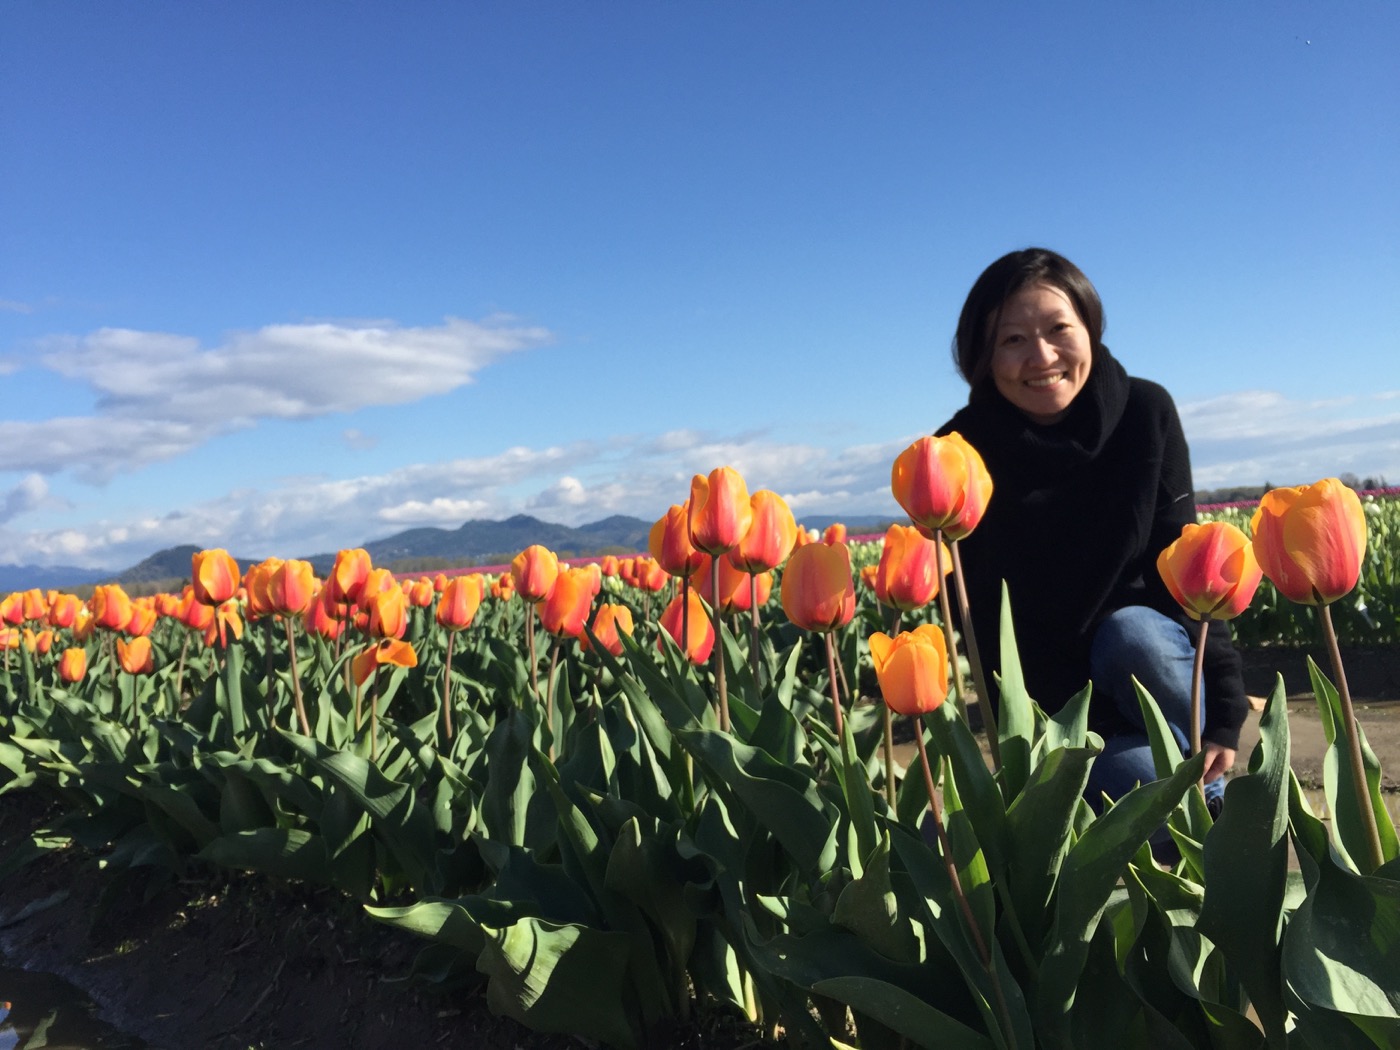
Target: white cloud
1256, 436
160, 395
30, 493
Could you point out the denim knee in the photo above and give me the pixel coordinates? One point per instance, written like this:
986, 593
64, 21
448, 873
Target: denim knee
1139, 642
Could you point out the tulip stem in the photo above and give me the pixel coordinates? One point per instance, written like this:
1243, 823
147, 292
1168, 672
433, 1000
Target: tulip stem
374, 715
720, 687
979, 680
530, 645
296, 678
753, 632
964, 906
831, 676
1358, 768
549, 697
1197, 667
447, 687
887, 721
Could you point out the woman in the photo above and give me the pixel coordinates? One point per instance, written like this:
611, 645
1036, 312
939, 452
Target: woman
1092, 479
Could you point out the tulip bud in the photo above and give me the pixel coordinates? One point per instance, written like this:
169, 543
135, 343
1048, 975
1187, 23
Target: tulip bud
912, 669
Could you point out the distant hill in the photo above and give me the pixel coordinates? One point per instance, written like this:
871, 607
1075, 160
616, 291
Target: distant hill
51, 577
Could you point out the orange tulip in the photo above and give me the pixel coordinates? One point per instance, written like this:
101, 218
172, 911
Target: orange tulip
720, 512
503, 587
111, 607
214, 576
1310, 540
421, 593
835, 533
912, 668
534, 571
12, 609
192, 614
256, 582
611, 622
669, 541
135, 656
651, 577
907, 577
610, 565
566, 609
72, 665
376, 581
63, 610
818, 593
388, 613
291, 587
700, 630
167, 604
771, 534
347, 576
942, 483
1210, 570
459, 601
143, 617
386, 651
35, 605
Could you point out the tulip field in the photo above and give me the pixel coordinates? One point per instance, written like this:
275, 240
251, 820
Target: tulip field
611, 797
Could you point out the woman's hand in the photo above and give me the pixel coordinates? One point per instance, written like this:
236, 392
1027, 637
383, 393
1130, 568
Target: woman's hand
1219, 760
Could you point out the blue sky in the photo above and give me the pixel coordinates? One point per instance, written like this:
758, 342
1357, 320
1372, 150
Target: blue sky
285, 278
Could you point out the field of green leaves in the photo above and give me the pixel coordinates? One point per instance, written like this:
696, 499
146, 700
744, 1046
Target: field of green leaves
603, 831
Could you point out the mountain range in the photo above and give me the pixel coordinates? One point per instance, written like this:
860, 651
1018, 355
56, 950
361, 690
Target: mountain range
473, 543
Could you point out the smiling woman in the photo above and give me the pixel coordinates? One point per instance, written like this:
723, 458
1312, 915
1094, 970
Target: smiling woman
1092, 480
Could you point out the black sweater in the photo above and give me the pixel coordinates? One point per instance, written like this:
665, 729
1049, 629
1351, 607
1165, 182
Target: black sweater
1079, 511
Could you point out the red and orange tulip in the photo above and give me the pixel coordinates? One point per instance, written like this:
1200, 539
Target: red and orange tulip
214, 575
347, 576
564, 612
1210, 570
771, 535
534, 571
669, 544
700, 632
388, 613
63, 610
111, 607
834, 533
291, 587
1310, 540
942, 483
818, 593
912, 668
720, 512
907, 576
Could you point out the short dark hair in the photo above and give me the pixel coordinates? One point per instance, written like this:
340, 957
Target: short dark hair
972, 345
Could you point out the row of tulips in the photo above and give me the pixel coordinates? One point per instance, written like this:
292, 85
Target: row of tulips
662, 810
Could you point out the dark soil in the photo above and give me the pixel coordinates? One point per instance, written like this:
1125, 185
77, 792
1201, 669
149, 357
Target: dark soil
232, 962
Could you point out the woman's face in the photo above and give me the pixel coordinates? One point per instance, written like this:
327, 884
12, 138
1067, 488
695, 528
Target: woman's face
1041, 353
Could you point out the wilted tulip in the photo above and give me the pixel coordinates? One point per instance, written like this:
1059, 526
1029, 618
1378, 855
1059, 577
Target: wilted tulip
907, 576
135, 655
699, 630
818, 593
1310, 540
669, 541
214, 575
611, 622
942, 483
771, 534
720, 512
389, 651
912, 668
226, 621
534, 571
72, 665
459, 601
1210, 570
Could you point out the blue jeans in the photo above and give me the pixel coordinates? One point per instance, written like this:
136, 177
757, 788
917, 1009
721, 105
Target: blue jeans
1138, 642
